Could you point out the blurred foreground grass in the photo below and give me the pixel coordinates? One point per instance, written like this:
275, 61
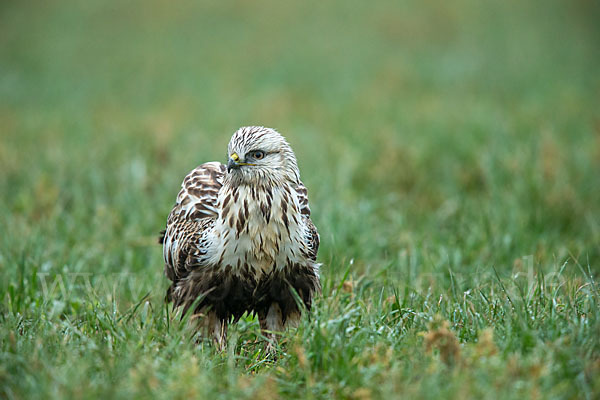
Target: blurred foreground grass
451, 151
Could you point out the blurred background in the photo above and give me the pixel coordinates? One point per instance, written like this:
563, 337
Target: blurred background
429, 133
451, 150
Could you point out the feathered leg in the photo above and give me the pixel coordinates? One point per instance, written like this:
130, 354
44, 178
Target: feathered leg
211, 326
271, 326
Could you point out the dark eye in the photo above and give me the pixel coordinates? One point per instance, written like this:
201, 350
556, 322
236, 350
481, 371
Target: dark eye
258, 154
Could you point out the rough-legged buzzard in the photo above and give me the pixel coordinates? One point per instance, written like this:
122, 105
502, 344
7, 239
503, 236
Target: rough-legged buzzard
240, 238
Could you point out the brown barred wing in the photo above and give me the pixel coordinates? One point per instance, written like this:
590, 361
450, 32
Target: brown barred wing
192, 216
312, 239
302, 194
312, 236
197, 198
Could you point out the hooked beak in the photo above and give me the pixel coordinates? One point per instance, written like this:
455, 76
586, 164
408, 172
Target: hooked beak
235, 163
232, 164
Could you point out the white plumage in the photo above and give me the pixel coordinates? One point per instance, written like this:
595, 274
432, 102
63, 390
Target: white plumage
240, 239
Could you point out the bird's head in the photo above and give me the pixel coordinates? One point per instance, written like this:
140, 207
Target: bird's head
259, 155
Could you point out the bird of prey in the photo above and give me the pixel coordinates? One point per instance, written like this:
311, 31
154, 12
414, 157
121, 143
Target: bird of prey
240, 239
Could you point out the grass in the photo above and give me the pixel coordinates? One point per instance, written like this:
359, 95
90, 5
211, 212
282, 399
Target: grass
452, 156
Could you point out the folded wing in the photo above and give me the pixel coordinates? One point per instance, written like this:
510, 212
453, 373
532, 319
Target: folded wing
192, 216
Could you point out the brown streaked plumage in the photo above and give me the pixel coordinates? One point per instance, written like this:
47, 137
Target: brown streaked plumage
240, 238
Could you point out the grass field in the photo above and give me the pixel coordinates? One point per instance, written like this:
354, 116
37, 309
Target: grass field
452, 156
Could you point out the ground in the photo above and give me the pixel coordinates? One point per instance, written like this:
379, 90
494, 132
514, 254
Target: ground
452, 156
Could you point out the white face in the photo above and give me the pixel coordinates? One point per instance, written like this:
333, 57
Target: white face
260, 155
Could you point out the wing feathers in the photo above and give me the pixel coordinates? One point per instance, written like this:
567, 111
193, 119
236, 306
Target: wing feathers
312, 236
192, 215
302, 194
199, 190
